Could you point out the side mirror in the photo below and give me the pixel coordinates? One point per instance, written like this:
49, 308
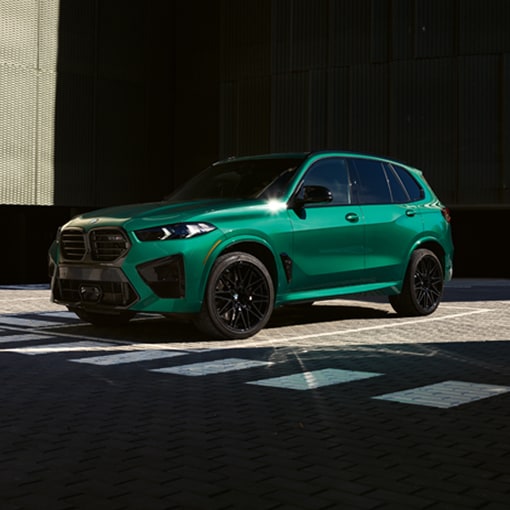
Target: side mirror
316, 195
311, 195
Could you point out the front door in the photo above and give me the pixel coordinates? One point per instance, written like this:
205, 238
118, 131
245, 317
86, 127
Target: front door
328, 247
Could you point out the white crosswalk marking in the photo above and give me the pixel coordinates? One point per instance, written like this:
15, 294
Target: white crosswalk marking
213, 367
59, 348
129, 357
314, 379
22, 337
59, 315
445, 394
10, 320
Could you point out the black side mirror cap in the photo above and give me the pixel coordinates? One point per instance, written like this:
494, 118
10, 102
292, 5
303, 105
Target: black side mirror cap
310, 195
316, 195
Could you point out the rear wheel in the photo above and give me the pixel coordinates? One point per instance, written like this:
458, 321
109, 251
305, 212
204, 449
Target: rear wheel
239, 297
103, 319
423, 285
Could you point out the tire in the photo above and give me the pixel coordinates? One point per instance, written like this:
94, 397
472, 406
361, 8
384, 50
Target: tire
103, 319
239, 297
423, 285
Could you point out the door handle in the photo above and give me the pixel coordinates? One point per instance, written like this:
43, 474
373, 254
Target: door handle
410, 212
352, 217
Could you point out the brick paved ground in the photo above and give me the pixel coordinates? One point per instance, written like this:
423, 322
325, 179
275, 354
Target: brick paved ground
159, 427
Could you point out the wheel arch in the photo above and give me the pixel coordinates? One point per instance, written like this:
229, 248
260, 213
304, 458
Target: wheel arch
254, 246
430, 244
259, 250
223, 321
436, 248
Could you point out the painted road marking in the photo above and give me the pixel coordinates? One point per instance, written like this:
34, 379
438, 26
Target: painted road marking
314, 379
59, 315
387, 325
22, 337
60, 348
445, 394
10, 320
129, 357
213, 367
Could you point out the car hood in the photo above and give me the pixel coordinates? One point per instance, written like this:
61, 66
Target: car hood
137, 216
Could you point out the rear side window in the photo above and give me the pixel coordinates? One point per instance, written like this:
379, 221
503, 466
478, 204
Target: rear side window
372, 184
384, 183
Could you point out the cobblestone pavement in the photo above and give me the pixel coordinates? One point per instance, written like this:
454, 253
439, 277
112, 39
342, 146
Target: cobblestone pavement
336, 405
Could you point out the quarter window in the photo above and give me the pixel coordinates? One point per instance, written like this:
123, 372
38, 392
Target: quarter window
414, 190
399, 194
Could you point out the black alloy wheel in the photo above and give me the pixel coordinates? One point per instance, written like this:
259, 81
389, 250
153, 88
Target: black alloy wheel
239, 297
423, 285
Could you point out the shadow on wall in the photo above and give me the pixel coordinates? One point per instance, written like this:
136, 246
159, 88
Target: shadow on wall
114, 102
479, 236
28, 232
113, 123
137, 96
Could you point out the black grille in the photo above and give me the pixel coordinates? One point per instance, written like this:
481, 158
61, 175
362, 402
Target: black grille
111, 293
107, 244
104, 244
72, 243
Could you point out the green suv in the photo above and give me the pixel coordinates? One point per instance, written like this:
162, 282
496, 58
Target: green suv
250, 234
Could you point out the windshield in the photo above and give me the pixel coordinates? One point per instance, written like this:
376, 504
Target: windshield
240, 179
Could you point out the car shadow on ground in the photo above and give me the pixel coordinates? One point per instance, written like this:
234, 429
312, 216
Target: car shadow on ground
157, 329
318, 313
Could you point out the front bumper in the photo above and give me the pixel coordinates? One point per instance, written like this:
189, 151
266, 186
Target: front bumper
148, 278
92, 287
108, 288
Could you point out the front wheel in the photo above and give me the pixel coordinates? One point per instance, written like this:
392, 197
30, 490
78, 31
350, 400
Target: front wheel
423, 285
239, 297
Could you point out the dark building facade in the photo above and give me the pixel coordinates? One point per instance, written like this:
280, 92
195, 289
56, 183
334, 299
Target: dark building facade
130, 98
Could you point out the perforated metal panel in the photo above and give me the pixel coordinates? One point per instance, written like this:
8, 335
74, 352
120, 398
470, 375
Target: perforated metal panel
44, 164
19, 33
18, 100
28, 55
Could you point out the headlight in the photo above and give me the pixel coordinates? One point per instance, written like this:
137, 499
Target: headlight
175, 231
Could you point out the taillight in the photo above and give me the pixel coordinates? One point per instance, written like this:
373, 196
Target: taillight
446, 214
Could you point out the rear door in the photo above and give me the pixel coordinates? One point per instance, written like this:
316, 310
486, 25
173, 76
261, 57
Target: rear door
391, 217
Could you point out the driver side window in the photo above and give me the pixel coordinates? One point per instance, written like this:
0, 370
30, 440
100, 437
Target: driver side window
331, 173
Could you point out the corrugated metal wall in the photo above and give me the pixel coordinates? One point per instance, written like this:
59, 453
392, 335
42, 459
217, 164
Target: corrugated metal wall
426, 81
